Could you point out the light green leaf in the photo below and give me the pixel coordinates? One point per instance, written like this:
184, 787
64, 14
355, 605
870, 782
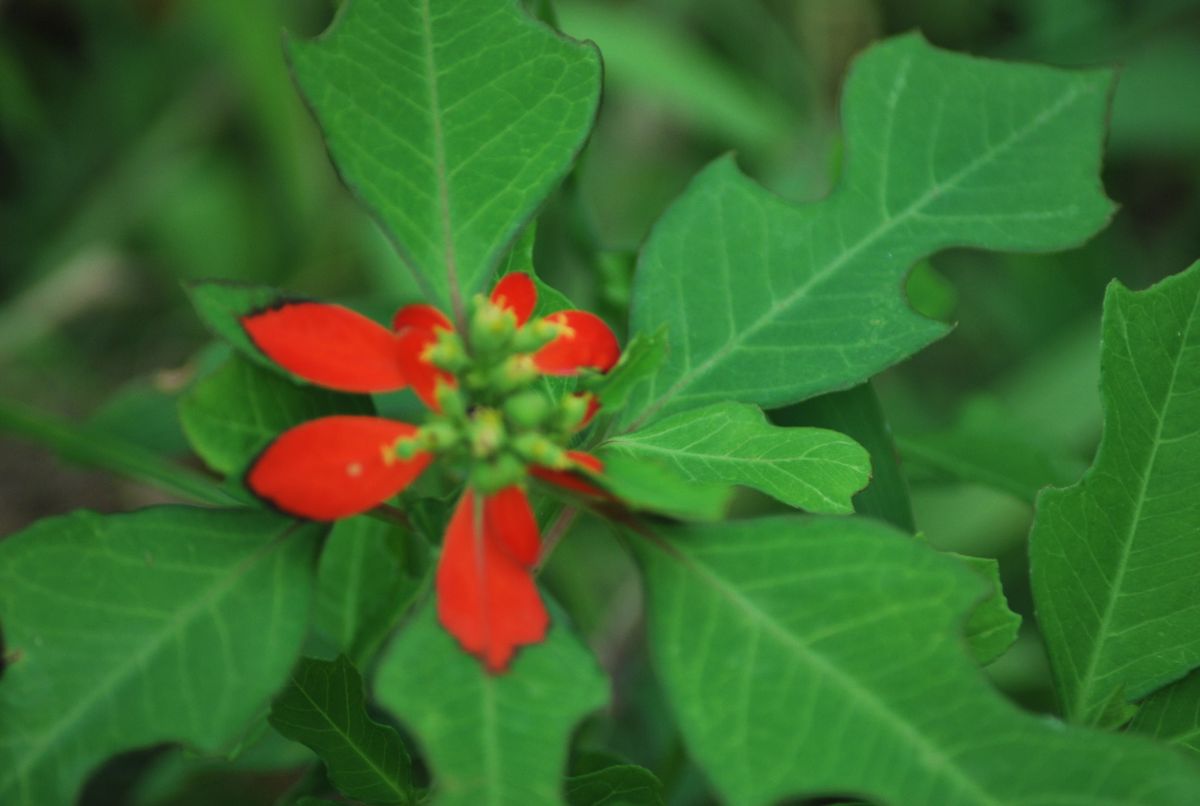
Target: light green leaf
368, 576
808, 656
650, 485
168, 624
324, 708
989, 446
992, 627
768, 302
1172, 714
232, 414
1113, 559
856, 413
496, 739
643, 355
733, 443
452, 121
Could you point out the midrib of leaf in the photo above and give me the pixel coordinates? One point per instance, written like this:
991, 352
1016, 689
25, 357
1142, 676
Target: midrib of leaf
1088, 680
439, 164
491, 746
934, 757
400, 791
889, 223
138, 659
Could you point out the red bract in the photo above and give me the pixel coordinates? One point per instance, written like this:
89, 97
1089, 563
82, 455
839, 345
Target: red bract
335, 467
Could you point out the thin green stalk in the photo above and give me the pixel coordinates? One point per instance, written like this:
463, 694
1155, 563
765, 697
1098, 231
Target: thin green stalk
81, 444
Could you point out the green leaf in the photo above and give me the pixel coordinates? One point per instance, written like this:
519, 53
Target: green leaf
733, 443
1113, 558
768, 302
452, 122
617, 785
809, 656
643, 356
857, 414
987, 446
992, 627
496, 739
230, 415
652, 486
368, 576
168, 624
221, 305
324, 708
1172, 714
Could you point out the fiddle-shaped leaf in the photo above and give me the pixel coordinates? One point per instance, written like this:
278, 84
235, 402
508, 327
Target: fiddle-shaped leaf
171, 624
769, 302
732, 443
1115, 559
813, 656
452, 121
499, 739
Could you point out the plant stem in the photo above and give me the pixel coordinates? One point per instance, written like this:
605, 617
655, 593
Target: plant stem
555, 533
78, 443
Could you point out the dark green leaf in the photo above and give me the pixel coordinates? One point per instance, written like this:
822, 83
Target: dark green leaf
641, 357
1113, 558
808, 656
452, 122
324, 708
368, 577
232, 414
992, 627
987, 446
733, 443
1172, 714
221, 305
499, 739
169, 624
767, 302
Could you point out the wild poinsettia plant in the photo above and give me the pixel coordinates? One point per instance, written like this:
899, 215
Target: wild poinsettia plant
492, 427
351, 588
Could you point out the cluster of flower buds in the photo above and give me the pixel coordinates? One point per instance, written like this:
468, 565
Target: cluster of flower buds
499, 413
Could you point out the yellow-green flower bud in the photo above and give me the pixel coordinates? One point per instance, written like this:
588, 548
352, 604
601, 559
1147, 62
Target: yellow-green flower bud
517, 372
537, 450
491, 477
447, 352
492, 327
487, 433
535, 335
527, 409
440, 435
450, 401
571, 411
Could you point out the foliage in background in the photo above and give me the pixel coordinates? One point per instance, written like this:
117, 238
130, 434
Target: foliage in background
188, 154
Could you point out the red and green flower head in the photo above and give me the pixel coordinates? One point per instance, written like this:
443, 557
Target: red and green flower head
492, 424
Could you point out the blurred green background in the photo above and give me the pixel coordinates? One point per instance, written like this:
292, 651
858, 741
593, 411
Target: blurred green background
144, 143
